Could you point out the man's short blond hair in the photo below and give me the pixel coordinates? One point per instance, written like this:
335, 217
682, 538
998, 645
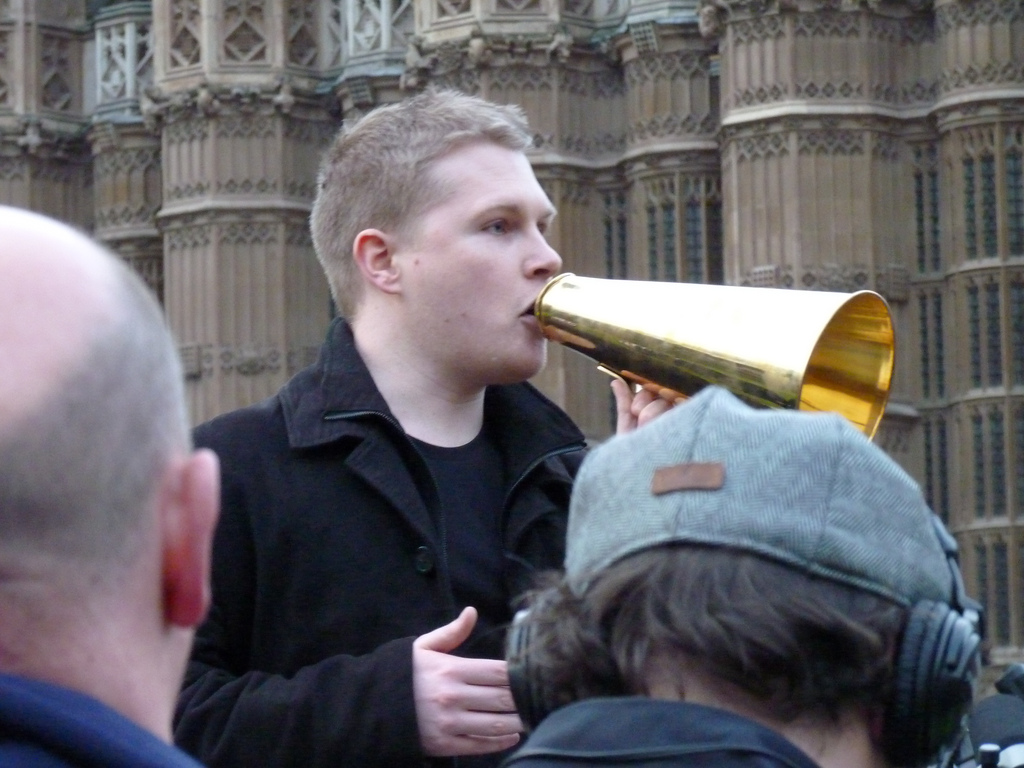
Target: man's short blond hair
374, 175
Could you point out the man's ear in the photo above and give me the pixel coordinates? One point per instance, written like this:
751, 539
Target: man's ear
188, 514
373, 252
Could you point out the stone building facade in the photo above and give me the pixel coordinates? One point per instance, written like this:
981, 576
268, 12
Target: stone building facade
804, 144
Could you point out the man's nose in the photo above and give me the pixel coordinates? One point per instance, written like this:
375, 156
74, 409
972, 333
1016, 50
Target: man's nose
546, 262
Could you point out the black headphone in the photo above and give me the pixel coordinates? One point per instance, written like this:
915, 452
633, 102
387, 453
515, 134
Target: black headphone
938, 660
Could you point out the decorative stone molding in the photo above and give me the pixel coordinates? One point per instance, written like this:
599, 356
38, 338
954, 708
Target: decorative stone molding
56, 75
671, 124
32, 136
1010, 72
830, 142
757, 30
893, 282
6, 95
827, 23
302, 20
197, 360
249, 360
764, 94
124, 49
186, 34
188, 235
679, 65
507, 57
712, 16
245, 33
827, 90
248, 233
161, 109
759, 147
823, 277
969, 13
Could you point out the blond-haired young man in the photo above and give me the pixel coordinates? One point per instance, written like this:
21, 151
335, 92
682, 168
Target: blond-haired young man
386, 506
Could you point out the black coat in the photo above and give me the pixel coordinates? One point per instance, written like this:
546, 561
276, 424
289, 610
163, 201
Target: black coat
650, 733
327, 565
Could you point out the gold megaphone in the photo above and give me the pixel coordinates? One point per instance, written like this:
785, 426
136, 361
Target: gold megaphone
808, 350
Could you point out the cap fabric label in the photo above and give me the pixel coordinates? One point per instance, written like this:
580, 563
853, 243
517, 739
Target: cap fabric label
691, 476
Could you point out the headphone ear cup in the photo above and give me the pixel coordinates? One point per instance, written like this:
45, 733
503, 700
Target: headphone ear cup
936, 665
527, 693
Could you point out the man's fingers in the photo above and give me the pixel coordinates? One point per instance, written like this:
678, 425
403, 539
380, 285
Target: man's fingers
478, 745
449, 637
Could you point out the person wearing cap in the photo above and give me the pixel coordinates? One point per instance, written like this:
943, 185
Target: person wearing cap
746, 587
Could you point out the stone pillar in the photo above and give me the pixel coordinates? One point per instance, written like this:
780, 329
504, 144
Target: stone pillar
977, 281
242, 129
127, 175
44, 161
816, 98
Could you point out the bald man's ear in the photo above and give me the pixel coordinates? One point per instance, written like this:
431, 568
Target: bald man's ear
373, 251
189, 509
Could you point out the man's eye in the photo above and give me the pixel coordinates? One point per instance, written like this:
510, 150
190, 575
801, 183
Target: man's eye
497, 227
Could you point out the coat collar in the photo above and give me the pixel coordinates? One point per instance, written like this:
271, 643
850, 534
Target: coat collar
333, 398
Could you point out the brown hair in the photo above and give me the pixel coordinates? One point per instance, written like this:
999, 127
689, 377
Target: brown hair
800, 645
375, 173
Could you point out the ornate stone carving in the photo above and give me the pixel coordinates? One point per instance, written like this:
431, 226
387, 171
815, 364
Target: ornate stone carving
126, 60
670, 66
711, 18
186, 50
758, 29
125, 165
249, 360
444, 9
831, 142
298, 234
161, 109
987, 74
671, 124
506, 7
245, 31
188, 235
822, 277
56, 78
758, 147
243, 126
843, 90
763, 94
826, 24
197, 360
13, 168
886, 147
302, 32
248, 233
835, 277
769, 276
967, 14
149, 268
893, 282
5, 69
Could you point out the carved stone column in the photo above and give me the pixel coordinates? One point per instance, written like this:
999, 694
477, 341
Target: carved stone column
126, 154
241, 133
818, 98
977, 283
43, 158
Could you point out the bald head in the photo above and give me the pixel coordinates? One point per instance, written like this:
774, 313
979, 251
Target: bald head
56, 288
91, 406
